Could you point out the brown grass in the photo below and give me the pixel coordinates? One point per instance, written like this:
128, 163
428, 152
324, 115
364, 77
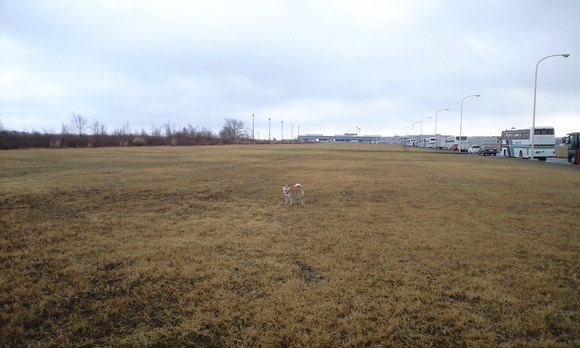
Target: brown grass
175, 246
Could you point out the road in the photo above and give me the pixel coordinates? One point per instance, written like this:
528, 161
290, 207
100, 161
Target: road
553, 161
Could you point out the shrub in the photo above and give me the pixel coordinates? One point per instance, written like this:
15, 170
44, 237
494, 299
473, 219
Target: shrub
139, 141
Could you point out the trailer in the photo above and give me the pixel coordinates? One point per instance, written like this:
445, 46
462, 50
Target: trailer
460, 145
572, 141
430, 143
444, 142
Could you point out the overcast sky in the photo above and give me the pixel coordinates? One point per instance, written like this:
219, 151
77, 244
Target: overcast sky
328, 66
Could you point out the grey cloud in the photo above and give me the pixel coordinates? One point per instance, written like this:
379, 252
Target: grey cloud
324, 64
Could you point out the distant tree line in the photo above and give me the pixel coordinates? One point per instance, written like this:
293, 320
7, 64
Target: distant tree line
80, 132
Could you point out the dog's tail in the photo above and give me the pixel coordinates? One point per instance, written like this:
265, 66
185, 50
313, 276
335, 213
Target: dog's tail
298, 185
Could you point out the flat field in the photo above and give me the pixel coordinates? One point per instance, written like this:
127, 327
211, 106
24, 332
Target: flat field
194, 246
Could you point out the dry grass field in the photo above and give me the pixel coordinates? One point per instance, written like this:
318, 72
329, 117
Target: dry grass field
193, 246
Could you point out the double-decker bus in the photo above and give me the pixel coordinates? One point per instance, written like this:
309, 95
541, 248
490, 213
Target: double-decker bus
518, 143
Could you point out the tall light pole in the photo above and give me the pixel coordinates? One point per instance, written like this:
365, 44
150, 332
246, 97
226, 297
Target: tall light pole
535, 89
461, 118
253, 128
269, 129
282, 133
436, 119
413, 126
421, 137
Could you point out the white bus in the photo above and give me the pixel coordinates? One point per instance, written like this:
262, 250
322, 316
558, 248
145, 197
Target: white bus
518, 143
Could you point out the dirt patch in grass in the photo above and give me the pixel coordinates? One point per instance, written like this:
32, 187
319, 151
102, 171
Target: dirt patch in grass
306, 273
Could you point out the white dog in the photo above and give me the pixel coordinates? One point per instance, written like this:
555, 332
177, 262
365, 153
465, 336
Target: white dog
291, 191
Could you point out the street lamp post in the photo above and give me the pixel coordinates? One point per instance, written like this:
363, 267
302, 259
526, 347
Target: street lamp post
413, 126
253, 128
406, 130
421, 137
282, 132
269, 129
436, 119
413, 130
535, 90
461, 119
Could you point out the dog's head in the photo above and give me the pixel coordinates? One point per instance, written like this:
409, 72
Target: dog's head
286, 189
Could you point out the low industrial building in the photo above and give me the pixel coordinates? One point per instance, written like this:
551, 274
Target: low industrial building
354, 138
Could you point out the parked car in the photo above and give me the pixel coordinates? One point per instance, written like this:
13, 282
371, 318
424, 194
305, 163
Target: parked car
473, 149
487, 151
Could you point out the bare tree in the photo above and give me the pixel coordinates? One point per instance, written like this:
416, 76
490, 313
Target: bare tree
99, 131
96, 128
233, 130
79, 123
122, 135
167, 127
155, 131
64, 129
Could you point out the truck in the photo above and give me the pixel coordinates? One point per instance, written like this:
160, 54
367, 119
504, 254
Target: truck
462, 144
444, 142
430, 142
572, 141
